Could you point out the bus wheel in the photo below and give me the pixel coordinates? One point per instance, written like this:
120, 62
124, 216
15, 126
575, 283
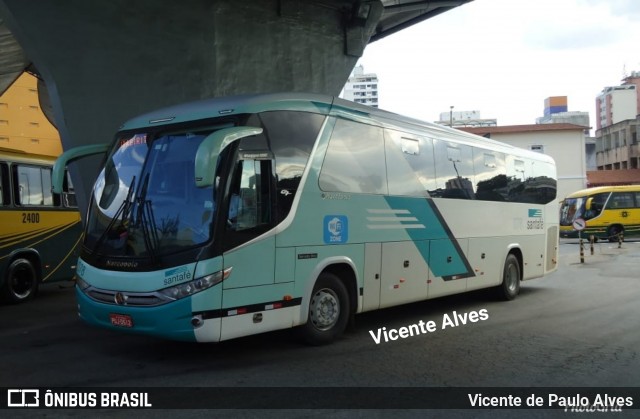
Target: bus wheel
510, 286
328, 311
21, 281
614, 231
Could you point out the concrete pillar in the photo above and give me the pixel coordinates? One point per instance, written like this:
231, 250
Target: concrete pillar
104, 61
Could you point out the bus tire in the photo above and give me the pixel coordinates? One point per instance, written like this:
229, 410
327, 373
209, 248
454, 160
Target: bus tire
614, 231
20, 282
328, 311
510, 287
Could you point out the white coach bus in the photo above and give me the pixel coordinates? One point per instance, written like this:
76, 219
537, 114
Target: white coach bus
235, 216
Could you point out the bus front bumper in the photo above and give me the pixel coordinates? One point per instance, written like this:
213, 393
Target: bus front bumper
172, 321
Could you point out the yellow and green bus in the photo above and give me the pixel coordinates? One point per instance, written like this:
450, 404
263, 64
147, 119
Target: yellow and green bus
608, 211
39, 230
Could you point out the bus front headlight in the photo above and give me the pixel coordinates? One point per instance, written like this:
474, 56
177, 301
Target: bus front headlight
179, 291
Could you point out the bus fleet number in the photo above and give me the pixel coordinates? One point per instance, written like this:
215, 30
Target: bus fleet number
30, 218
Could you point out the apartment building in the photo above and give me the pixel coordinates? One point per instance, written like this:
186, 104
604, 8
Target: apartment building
362, 87
617, 145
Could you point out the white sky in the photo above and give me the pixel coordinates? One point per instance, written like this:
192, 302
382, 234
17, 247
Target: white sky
504, 57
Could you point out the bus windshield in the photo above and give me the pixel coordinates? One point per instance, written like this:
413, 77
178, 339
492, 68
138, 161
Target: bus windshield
573, 208
145, 201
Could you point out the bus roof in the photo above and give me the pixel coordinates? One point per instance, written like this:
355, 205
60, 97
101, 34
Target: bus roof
603, 189
19, 156
318, 103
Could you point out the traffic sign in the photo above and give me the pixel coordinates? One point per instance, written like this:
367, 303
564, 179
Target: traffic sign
579, 224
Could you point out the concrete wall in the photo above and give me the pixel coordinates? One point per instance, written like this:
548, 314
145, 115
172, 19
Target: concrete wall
105, 61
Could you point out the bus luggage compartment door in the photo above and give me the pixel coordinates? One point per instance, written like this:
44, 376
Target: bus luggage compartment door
404, 272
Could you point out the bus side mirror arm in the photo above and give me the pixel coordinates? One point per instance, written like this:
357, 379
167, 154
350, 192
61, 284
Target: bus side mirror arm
211, 147
587, 204
59, 167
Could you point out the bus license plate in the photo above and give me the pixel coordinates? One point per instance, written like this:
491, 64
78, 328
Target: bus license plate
121, 320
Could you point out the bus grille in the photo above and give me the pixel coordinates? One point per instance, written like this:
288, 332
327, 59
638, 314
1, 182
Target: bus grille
131, 299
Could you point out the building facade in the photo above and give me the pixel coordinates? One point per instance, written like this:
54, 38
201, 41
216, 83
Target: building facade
465, 119
23, 125
615, 104
617, 145
556, 111
362, 87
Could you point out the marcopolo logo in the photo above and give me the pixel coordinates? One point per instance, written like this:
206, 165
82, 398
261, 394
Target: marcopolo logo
173, 276
537, 223
336, 229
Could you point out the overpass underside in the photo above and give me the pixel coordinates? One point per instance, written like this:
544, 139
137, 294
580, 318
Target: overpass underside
106, 61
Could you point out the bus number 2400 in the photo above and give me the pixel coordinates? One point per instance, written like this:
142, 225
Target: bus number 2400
30, 218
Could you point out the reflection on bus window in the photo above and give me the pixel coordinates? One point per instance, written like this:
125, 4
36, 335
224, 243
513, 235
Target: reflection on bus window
34, 186
621, 200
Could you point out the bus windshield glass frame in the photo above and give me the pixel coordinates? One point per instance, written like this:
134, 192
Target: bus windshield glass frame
145, 201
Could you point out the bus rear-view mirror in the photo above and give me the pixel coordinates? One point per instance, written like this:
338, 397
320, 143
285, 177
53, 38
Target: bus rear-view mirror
211, 147
59, 167
587, 204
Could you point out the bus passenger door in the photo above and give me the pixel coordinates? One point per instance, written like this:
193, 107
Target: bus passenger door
248, 215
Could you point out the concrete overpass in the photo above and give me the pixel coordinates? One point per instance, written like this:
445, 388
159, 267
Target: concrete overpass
105, 61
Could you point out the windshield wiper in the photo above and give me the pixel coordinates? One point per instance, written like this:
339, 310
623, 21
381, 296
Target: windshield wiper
123, 210
145, 219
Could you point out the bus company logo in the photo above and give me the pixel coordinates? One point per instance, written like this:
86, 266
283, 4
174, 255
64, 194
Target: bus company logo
336, 229
23, 398
176, 275
535, 213
537, 223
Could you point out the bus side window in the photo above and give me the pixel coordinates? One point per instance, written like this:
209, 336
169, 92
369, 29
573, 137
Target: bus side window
409, 164
355, 160
491, 175
5, 198
33, 185
597, 204
454, 170
621, 200
250, 201
292, 135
